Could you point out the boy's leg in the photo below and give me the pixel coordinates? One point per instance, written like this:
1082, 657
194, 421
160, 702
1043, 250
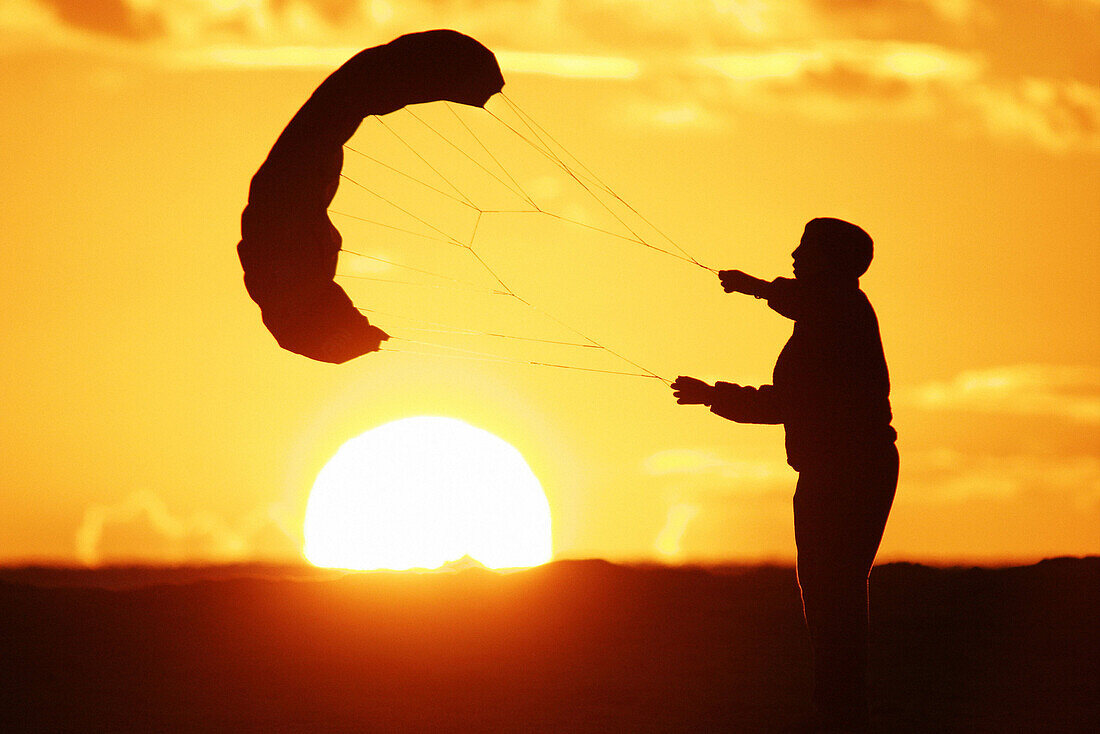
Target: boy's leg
839, 519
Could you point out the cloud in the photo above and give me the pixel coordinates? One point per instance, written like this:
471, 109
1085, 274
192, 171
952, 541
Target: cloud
142, 527
870, 59
681, 461
859, 79
574, 66
287, 33
668, 540
702, 489
1057, 114
323, 58
570, 66
1065, 392
947, 475
698, 462
121, 26
684, 114
842, 79
693, 63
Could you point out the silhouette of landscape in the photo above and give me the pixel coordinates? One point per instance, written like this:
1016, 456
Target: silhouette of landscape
572, 646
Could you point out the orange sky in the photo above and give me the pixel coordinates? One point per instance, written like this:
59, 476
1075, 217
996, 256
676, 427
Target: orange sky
149, 415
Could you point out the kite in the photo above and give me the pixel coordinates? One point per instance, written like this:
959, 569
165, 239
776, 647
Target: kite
289, 247
437, 175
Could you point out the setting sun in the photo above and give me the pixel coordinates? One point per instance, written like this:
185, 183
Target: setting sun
419, 492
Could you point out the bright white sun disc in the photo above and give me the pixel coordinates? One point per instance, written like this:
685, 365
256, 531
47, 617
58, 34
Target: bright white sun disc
419, 492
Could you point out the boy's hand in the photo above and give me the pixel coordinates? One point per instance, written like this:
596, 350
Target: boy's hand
690, 391
734, 281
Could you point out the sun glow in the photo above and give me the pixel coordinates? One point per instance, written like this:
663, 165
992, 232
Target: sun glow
419, 492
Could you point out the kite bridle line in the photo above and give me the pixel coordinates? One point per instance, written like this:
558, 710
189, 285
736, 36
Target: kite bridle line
537, 138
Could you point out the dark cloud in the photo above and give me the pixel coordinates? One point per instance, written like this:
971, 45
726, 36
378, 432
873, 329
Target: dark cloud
848, 81
894, 18
107, 17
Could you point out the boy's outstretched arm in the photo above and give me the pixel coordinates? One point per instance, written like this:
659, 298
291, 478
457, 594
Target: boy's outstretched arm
785, 296
733, 402
735, 281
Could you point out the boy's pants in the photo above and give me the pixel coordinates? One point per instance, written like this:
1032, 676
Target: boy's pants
840, 511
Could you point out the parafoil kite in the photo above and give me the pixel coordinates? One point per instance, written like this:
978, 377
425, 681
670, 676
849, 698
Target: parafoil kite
289, 247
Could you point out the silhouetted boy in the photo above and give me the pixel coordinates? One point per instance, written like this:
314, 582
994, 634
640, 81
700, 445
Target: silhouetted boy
830, 390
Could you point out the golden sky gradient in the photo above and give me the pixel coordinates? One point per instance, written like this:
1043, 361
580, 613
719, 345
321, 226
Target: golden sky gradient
147, 413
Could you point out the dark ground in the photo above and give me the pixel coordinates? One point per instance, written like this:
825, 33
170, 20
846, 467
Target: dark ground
574, 646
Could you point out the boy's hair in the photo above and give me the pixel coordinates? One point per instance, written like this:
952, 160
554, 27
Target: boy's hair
851, 247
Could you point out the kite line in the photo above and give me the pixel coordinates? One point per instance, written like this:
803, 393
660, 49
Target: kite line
526, 130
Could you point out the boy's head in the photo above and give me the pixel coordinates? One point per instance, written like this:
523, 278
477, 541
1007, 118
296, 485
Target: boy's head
832, 248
